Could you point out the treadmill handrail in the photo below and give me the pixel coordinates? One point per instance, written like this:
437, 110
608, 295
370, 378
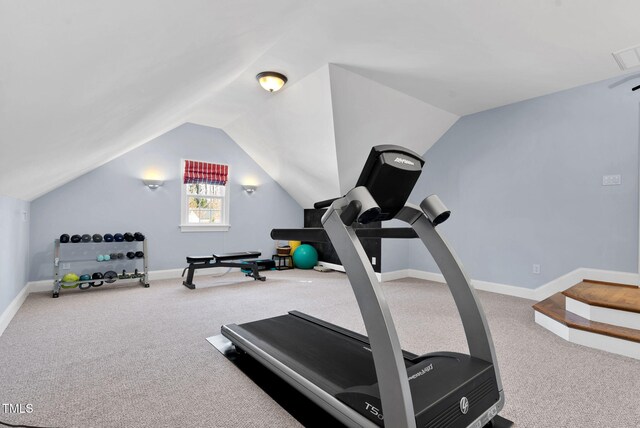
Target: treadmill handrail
469, 308
318, 234
395, 394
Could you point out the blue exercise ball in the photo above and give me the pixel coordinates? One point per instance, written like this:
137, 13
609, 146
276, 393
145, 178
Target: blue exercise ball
305, 257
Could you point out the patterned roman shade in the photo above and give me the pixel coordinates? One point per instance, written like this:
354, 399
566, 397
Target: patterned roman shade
204, 172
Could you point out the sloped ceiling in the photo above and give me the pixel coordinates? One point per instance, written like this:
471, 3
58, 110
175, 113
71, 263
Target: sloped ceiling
82, 82
292, 138
366, 114
314, 138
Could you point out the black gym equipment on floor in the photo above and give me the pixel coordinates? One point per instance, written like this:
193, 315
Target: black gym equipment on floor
223, 260
370, 381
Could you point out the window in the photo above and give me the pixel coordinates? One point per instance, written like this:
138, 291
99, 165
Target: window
205, 197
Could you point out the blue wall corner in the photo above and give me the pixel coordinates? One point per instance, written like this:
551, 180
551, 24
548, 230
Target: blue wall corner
112, 198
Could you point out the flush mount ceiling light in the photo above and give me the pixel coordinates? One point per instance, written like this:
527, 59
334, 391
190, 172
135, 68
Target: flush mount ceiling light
271, 81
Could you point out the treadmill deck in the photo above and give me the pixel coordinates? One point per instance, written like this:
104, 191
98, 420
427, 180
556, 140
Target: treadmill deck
340, 363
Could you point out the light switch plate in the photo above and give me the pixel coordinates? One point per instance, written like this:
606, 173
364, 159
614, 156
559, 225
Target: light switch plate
611, 180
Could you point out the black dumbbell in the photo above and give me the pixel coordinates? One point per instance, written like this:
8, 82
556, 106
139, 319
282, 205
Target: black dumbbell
110, 277
97, 275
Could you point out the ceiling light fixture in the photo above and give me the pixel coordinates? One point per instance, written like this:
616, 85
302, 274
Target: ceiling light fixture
271, 81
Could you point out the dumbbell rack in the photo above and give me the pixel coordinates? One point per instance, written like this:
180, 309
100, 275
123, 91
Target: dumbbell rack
143, 277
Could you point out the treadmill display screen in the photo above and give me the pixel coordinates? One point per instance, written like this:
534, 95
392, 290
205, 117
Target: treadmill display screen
390, 173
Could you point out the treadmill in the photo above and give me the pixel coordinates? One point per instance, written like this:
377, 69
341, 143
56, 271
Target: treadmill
369, 381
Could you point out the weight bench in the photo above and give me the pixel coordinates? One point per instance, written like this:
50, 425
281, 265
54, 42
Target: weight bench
222, 260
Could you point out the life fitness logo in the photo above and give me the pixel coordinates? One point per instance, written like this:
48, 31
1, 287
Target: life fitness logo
404, 161
464, 405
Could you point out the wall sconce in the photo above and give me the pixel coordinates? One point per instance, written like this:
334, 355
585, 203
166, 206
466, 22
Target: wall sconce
271, 81
153, 184
249, 188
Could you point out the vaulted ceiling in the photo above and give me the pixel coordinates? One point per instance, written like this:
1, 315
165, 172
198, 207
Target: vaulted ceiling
82, 82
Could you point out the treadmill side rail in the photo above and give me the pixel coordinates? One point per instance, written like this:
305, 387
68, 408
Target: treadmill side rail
473, 319
397, 405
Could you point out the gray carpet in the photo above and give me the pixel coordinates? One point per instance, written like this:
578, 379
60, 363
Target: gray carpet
134, 357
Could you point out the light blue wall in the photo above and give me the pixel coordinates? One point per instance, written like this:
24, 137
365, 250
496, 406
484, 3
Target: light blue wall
112, 198
14, 248
524, 183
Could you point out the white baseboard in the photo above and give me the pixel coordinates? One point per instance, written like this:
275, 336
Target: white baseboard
493, 287
509, 290
592, 340
559, 284
428, 276
628, 278
396, 274
8, 314
540, 293
574, 277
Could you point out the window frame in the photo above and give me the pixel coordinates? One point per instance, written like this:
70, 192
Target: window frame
185, 226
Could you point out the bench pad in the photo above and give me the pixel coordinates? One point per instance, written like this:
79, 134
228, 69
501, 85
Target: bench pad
199, 259
237, 256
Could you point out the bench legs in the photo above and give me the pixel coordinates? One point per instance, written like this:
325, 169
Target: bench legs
254, 272
193, 266
189, 281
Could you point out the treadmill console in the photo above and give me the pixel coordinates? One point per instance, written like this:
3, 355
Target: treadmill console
389, 174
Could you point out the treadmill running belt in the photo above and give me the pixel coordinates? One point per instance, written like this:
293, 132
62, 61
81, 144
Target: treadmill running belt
328, 358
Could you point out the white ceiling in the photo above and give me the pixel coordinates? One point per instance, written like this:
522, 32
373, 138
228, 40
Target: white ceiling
314, 137
367, 113
82, 82
291, 137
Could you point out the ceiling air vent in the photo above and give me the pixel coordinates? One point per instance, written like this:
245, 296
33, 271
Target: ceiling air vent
628, 58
